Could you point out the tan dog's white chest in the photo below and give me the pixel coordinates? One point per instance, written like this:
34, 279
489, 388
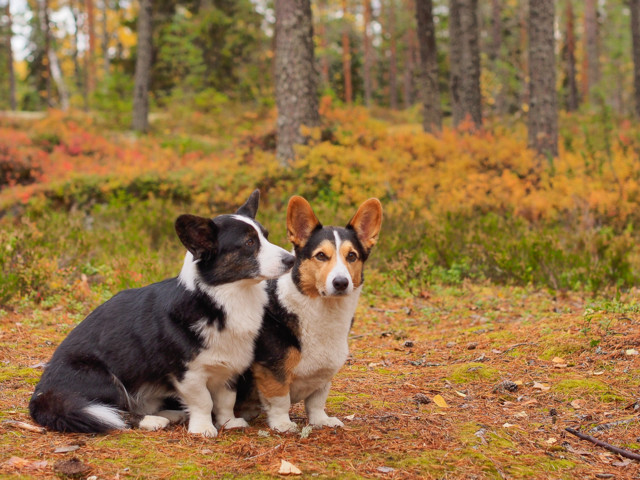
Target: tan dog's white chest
324, 330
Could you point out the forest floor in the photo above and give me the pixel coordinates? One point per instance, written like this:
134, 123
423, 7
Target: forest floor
474, 381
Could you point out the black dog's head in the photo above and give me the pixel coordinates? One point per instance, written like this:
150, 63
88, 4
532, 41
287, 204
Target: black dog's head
229, 248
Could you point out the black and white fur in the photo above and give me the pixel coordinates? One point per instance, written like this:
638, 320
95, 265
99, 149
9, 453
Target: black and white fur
186, 338
304, 339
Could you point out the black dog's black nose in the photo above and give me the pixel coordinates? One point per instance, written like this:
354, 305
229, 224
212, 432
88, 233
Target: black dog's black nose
340, 283
288, 260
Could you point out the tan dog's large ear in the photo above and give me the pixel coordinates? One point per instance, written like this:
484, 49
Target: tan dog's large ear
367, 222
301, 221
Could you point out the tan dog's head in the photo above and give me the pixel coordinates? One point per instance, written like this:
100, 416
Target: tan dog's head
330, 260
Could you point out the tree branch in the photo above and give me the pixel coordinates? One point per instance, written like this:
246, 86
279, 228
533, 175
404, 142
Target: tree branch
620, 451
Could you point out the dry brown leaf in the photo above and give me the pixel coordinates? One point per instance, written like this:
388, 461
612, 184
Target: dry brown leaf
551, 440
577, 404
440, 401
23, 464
288, 468
541, 386
460, 394
558, 360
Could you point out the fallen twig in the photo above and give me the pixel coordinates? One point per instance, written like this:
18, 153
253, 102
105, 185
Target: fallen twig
607, 426
264, 453
516, 346
620, 451
25, 426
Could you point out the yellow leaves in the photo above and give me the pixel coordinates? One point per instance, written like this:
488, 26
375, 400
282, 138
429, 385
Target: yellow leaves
440, 401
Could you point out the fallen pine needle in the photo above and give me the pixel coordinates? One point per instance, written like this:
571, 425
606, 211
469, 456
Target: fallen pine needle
620, 451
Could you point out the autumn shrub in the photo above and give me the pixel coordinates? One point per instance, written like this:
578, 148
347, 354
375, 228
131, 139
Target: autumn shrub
458, 205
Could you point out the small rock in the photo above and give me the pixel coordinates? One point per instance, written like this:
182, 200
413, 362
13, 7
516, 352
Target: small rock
472, 345
451, 344
421, 398
386, 469
408, 344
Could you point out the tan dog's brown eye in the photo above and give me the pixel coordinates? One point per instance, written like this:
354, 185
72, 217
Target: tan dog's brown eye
352, 257
321, 256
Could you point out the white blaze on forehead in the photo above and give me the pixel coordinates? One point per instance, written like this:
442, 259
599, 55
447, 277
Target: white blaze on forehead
269, 256
340, 270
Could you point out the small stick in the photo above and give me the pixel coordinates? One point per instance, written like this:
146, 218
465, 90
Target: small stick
516, 346
264, 453
25, 426
620, 451
607, 426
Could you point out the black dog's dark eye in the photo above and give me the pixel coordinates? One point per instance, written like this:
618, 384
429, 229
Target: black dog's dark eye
351, 257
250, 243
322, 257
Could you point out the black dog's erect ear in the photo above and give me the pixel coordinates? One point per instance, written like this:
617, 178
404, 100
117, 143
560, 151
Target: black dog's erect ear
198, 234
250, 207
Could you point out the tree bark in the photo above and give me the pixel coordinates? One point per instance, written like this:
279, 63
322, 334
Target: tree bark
635, 34
346, 55
466, 97
46, 30
431, 111
12, 78
410, 58
393, 55
105, 39
324, 44
296, 78
570, 52
368, 60
90, 59
543, 110
591, 72
140, 121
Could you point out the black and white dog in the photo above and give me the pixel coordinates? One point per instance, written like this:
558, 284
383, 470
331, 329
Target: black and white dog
186, 338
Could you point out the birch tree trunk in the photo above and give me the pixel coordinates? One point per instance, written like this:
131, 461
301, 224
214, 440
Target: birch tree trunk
12, 78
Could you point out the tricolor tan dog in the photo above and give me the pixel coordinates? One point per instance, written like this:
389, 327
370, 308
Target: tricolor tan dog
304, 337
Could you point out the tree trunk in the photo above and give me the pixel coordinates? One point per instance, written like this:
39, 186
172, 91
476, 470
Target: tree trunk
591, 72
91, 64
296, 79
635, 34
410, 57
143, 68
496, 30
570, 51
346, 55
56, 74
466, 97
368, 60
543, 110
105, 39
432, 114
324, 44
12, 78
393, 55
46, 30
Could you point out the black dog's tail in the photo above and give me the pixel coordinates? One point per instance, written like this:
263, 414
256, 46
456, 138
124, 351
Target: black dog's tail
70, 412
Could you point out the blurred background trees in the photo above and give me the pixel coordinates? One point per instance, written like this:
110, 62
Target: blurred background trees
208, 53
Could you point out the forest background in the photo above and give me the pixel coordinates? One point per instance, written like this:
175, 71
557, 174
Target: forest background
501, 136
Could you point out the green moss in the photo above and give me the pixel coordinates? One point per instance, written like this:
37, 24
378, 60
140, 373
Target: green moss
29, 375
577, 388
558, 344
473, 371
